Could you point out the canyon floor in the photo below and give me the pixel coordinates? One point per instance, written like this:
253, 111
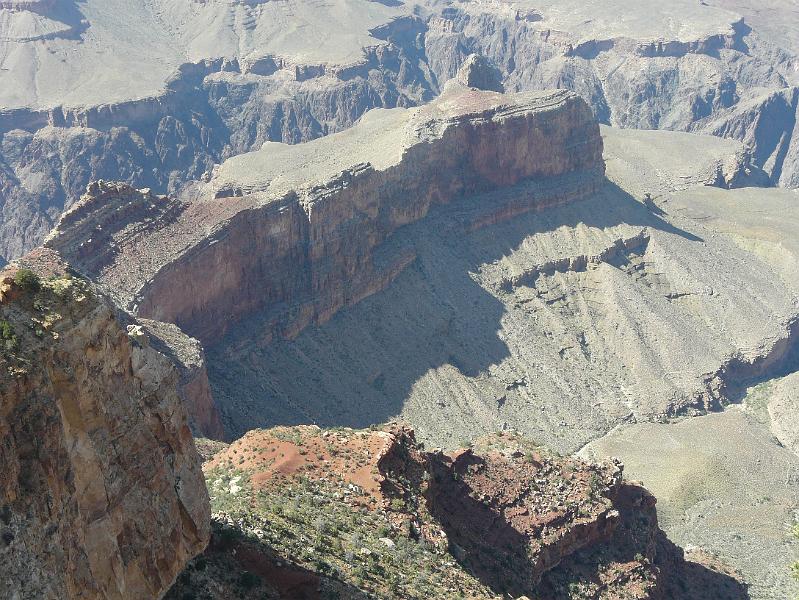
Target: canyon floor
723, 483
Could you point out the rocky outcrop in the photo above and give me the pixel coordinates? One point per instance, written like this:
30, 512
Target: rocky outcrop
101, 493
304, 231
105, 216
486, 503
476, 72
193, 387
783, 406
385, 518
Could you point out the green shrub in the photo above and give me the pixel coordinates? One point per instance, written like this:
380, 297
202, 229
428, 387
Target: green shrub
6, 330
8, 337
249, 580
28, 280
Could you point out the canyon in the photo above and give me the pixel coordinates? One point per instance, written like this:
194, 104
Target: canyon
292, 72
487, 262
356, 298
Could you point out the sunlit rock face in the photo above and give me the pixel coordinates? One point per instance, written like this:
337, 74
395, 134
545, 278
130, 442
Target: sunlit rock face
25, 21
101, 492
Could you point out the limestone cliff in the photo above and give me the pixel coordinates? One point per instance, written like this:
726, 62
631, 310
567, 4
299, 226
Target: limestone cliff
297, 233
101, 493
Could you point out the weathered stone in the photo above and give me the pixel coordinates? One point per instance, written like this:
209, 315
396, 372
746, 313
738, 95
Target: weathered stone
476, 72
101, 491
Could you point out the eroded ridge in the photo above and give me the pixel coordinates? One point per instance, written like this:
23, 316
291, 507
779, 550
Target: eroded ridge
354, 513
295, 230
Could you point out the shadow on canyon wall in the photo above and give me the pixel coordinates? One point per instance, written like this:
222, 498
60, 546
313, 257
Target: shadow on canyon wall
361, 367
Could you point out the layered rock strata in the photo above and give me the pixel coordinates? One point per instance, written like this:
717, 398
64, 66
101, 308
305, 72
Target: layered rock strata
300, 232
198, 96
101, 492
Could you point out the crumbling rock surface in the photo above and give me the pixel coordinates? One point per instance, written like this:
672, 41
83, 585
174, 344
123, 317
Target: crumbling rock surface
101, 492
534, 510
783, 407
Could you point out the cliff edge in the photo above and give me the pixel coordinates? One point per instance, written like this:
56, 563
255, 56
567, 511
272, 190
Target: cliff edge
101, 491
299, 232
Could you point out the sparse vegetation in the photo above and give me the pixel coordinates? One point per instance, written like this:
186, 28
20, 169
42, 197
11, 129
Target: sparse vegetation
8, 336
28, 280
311, 524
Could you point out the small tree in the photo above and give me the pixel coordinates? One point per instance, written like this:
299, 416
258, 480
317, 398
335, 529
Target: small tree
8, 338
28, 280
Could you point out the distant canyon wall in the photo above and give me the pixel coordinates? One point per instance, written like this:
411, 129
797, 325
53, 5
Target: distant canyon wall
733, 84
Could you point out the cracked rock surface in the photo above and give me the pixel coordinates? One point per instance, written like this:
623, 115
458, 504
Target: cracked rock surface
101, 492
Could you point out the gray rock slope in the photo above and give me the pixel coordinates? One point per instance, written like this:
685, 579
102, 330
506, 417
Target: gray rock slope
561, 323
156, 92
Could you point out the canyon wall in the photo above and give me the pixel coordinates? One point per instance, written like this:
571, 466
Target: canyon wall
300, 236
101, 492
690, 68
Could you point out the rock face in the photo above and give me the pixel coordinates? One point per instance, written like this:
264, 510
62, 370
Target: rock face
301, 72
304, 231
101, 493
193, 386
388, 519
477, 72
783, 408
